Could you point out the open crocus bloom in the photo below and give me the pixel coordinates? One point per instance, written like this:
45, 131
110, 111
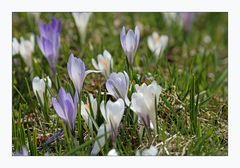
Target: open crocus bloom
49, 41
152, 151
66, 107
86, 110
129, 43
117, 85
143, 103
77, 72
157, 43
105, 63
39, 87
112, 113
81, 20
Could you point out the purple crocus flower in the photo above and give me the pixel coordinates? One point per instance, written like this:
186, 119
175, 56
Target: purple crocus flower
66, 107
117, 85
130, 42
49, 41
187, 19
77, 72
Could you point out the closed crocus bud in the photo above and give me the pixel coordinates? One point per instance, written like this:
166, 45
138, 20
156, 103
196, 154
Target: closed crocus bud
112, 114
105, 63
129, 43
66, 107
26, 48
117, 85
81, 20
157, 43
86, 110
49, 41
152, 151
39, 87
15, 46
77, 72
187, 19
170, 18
143, 103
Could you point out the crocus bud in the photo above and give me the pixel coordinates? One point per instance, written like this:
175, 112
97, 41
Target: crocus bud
129, 43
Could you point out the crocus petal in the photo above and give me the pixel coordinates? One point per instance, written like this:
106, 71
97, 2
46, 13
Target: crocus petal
152, 151
101, 141
112, 152
58, 109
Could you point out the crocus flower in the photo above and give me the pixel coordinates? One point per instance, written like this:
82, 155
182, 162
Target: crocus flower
143, 103
24, 152
157, 43
117, 85
171, 17
49, 41
187, 19
86, 110
113, 152
39, 87
15, 46
152, 151
81, 20
66, 107
77, 72
105, 63
26, 48
112, 113
129, 43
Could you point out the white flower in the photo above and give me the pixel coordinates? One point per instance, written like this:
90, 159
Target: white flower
105, 63
81, 20
15, 46
39, 87
86, 110
112, 113
171, 17
113, 152
26, 48
157, 43
143, 103
152, 151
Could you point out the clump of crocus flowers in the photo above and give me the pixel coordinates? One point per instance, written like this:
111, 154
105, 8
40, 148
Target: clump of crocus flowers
144, 98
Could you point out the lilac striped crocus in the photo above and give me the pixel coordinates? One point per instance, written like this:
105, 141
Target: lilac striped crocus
77, 72
117, 85
49, 41
129, 43
66, 107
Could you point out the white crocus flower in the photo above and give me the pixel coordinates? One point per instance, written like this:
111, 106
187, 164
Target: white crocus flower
105, 63
15, 46
157, 43
39, 87
81, 20
171, 17
113, 152
26, 48
143, 103
152, 151
112, 113
86, 110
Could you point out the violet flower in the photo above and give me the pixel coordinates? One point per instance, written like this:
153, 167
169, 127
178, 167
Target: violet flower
77, 72
66, 107
49, 41
117, 85
187, 19
129, 43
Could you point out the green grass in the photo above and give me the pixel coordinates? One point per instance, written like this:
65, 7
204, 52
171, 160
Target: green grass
192, 114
